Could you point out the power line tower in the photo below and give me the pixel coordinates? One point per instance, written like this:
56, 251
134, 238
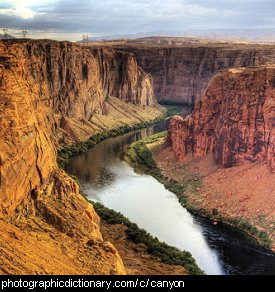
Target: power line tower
85, 38
5, 31
24, 33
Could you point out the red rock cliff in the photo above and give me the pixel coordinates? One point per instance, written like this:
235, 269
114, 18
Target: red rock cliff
235, 120
182, 74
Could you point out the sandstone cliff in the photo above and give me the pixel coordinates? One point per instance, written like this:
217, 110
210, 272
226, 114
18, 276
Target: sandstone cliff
51, 90
53, 93
181, 74
123, 78
234, 121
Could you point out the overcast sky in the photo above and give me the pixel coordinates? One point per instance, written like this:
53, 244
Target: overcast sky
68, 19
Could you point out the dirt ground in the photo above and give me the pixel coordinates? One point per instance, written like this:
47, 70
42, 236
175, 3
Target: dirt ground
136, 259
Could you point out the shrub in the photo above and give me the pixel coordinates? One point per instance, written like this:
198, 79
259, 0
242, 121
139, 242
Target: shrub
215, 212
261, 236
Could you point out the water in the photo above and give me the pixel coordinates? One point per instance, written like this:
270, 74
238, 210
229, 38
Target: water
105, 178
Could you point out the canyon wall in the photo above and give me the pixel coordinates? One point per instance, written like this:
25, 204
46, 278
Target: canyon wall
78, 80
43, 84
123, 78
181, 74
234, 121
50, 92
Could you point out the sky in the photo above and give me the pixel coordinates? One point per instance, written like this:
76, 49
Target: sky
69, 19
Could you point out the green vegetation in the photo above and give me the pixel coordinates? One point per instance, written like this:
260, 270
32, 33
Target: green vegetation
174, 103
215, 212
242, 224
69, 151
164, 252
140, 157
173, 110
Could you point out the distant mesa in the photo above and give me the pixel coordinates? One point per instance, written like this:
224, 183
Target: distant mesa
266, 35
6, 37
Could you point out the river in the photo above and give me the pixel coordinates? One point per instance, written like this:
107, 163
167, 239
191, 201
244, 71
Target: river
104, 177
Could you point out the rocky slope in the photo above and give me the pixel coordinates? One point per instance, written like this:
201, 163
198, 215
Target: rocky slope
55, 231
181, 74
52, 93
234, 120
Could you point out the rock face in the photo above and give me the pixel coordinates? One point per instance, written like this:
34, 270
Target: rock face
123, 78
78, 80
47, 91
55, 231
181, 75
42, 85
235, 120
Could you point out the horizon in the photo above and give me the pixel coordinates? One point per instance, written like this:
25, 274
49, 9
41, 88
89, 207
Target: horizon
68, 19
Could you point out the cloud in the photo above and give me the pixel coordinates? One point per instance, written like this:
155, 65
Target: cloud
20, 8
130, 16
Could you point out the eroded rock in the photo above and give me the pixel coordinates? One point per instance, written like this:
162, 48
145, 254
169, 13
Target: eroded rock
235, 120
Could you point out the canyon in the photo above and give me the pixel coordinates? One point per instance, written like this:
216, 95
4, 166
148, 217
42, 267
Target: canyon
51, 94
181, 73
54, 94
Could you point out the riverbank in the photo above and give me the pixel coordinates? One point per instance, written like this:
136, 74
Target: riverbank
188, 183
68, 151
142, 253
136, 259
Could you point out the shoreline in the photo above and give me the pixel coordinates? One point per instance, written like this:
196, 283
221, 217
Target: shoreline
74, 149
162, 256
166, 254
140, 157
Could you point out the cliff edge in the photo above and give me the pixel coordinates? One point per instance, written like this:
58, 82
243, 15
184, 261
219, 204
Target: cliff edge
51, 94
235, 120
181, 74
